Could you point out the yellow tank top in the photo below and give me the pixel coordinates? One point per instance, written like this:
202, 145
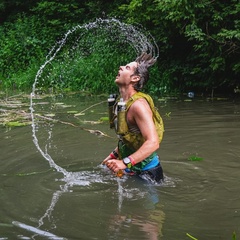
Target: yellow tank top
134, 140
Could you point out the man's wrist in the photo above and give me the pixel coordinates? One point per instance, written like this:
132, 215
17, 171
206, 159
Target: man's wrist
113, 154
129, 162
132, 160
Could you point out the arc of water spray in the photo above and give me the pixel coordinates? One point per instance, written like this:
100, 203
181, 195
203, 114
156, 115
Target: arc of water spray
138, 40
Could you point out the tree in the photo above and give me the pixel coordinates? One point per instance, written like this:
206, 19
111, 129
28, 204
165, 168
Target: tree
199, 41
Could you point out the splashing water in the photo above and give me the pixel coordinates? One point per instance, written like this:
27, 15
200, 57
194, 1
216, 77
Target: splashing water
120, 194
61, 61
74, 45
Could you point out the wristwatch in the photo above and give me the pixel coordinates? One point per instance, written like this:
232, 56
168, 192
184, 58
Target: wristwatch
127, 162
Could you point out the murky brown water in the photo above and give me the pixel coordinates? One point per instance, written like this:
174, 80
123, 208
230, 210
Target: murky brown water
200, 198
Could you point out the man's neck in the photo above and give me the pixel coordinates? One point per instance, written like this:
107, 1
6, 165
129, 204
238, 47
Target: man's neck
126, 93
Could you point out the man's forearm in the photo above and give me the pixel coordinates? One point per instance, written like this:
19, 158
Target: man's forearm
145, 151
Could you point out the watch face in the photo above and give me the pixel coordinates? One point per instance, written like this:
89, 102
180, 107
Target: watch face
126, 161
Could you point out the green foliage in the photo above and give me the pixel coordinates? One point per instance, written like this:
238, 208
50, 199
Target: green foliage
55, 11
21, 48
198, 42
195, 158
16, 124
89, 62
190, 236
234, 236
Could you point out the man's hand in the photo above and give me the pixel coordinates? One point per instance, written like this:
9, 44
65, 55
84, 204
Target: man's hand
114, 165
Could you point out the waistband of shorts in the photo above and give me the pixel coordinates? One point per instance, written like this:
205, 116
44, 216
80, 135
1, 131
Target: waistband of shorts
155, 161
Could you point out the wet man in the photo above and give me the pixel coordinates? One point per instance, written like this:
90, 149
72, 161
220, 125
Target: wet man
136, 150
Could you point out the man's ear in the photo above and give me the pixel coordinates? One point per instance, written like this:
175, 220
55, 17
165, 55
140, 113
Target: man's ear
135, 78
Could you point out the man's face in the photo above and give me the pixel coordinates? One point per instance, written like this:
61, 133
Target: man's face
125, 73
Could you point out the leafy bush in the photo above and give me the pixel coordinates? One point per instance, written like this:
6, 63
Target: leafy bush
22, 46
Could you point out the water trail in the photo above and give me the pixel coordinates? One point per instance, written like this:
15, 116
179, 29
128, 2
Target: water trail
44, 154
37, 231
139, 40
120, 194
54, 201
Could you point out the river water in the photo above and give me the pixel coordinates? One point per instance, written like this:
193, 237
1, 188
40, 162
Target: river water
199, 199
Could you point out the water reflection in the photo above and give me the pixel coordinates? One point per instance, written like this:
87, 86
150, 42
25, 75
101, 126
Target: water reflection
124, 223
89, 202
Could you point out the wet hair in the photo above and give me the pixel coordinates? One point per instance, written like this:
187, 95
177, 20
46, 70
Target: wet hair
144, 62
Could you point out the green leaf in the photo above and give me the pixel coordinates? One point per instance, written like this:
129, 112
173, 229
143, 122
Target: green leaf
17, 124
193, 238
195, 158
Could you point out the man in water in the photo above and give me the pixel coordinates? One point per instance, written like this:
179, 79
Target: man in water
136, 150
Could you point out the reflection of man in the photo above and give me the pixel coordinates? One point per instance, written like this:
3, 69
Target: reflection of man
129, 226
137, 146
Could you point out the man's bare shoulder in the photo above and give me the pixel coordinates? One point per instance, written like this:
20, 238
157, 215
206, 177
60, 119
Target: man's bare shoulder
140, 106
